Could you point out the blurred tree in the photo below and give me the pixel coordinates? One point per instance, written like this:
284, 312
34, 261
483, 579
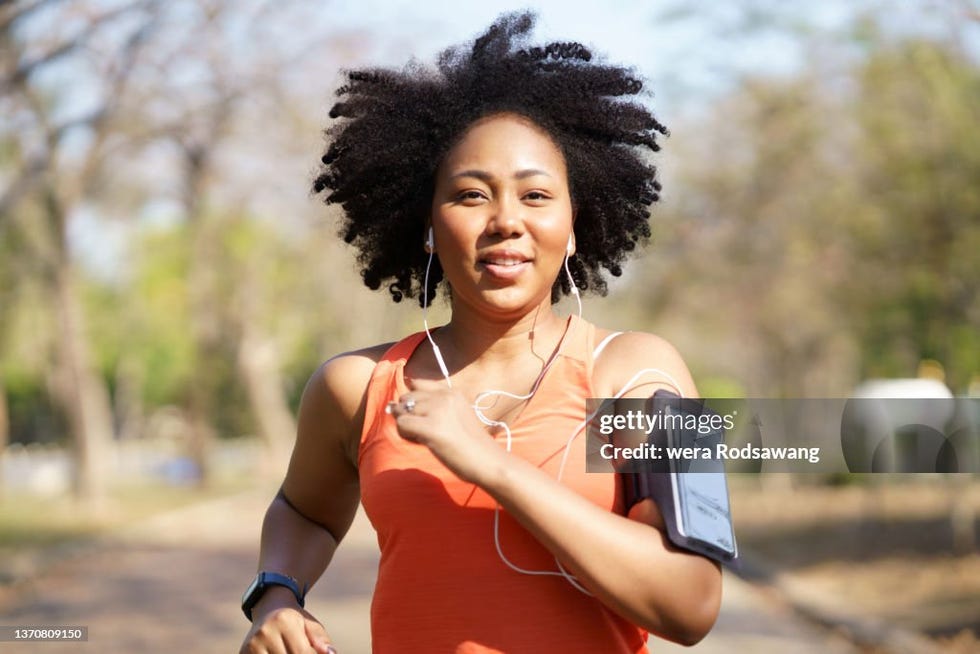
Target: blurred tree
265, 275
157, 315
824, 226
60, 150
4, 430
203, 121
119, 109
917, 239
748, 247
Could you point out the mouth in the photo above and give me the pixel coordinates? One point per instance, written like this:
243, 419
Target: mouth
504, 258
504, 264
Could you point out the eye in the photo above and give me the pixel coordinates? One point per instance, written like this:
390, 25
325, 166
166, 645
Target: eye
470, 196
536, 196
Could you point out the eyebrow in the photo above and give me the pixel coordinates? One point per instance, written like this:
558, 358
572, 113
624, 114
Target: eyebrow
484, 176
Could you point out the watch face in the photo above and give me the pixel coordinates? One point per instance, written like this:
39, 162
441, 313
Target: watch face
262, 581
252, 587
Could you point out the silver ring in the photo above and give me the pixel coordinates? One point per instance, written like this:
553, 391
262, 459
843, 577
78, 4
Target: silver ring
409, 404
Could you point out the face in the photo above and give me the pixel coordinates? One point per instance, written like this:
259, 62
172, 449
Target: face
502, 216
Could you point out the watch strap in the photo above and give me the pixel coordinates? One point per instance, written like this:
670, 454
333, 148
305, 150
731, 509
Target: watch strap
262, 582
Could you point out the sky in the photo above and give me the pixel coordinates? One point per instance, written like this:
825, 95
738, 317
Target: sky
688, 56
668, 51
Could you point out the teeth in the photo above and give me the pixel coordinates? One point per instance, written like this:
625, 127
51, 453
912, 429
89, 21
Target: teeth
504, 260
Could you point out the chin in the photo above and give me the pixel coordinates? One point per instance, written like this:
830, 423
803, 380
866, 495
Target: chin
515, 304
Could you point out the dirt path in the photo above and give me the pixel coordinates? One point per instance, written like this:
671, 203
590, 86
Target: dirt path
172, 584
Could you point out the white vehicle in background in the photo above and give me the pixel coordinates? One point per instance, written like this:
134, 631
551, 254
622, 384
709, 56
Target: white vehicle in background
909, 425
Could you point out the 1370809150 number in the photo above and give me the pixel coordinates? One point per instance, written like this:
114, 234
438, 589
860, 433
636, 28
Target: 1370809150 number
37, 634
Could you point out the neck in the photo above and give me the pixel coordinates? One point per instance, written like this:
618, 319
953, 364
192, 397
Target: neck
469, 338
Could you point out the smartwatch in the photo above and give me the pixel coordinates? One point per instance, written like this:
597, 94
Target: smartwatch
261, 584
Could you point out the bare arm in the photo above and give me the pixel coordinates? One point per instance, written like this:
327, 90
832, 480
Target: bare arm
626, 562
315, 506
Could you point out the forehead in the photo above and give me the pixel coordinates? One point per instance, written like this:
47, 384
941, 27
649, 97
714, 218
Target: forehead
505, 140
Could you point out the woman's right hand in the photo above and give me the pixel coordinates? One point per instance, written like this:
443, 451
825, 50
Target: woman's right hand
287, 630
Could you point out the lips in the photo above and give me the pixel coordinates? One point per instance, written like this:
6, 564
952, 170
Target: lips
504, 264
504, 258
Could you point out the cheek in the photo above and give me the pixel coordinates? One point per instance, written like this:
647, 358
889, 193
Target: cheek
458, 228
554, 233
454, 240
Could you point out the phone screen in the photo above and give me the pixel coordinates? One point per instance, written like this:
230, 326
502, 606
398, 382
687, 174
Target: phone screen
700, 490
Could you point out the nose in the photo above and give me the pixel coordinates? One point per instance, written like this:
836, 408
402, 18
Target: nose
506, 220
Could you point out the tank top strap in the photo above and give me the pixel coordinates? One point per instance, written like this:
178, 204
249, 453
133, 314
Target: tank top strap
578, 345
603, 343
382, 383
403, 349
592, 350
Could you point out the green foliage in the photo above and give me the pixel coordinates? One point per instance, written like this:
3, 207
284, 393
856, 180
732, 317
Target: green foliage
826, 227
918, 162
257, 276
819, 228
33, 416
154, 324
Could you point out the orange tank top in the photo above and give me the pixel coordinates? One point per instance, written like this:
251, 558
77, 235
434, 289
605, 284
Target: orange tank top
442, 587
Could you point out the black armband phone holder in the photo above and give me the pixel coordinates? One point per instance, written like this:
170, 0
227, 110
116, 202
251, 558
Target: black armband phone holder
689, 487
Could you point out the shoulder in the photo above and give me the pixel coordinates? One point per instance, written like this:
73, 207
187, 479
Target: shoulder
340, 382
322, 479
642, 362
331, 412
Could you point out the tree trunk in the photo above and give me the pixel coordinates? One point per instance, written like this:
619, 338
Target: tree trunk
82, 393
207, 334
76, 386
128, 400
4, 432
261, 371
258, 361
205, 303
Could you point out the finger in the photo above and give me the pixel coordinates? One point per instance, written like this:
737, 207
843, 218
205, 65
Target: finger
409, 427
416, 384
410, 404
408, 399
267, 640
399, 409
296, 642
318, 638
400, 406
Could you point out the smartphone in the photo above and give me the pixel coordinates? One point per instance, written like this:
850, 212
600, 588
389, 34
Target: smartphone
691, 491
702, 513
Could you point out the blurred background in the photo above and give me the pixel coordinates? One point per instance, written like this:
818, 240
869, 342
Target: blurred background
168, 284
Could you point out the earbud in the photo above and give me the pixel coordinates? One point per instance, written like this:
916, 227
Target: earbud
430, 241
569, 251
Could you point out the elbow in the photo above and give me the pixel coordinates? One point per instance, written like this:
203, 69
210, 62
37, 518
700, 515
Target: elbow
691, 636
691, 629
689, 622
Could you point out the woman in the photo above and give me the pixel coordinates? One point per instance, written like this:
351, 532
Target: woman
515, 175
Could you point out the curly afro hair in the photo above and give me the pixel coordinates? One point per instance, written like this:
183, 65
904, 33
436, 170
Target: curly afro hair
395, 128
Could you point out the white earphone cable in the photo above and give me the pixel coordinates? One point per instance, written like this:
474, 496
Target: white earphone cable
479, 408
425, 313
